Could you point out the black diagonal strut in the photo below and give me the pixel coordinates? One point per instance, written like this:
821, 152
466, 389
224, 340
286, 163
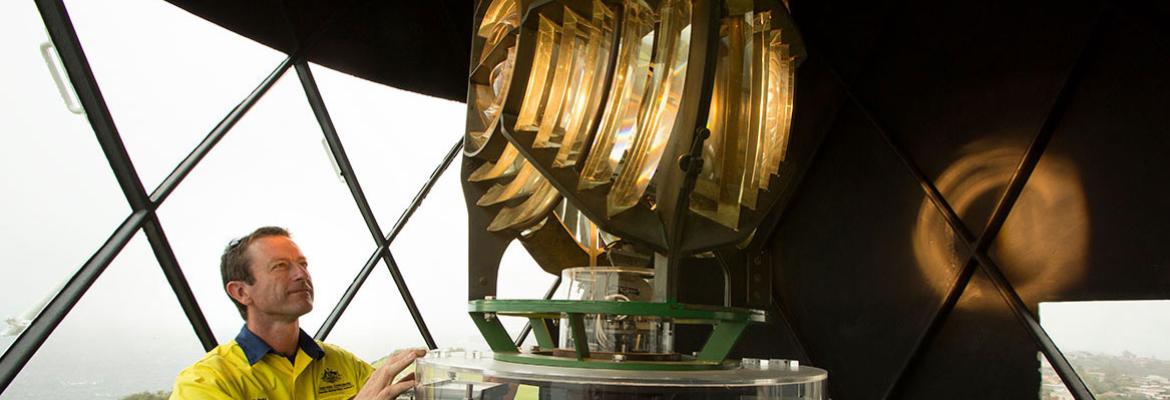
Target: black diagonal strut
382, 243
61, 31
34, 336
552, 289
360, 279
184, 168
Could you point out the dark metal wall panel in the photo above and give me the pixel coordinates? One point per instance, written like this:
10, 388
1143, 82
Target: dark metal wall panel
964, 86
845, 261
966, 360
424, 47
1091, 223
843, 34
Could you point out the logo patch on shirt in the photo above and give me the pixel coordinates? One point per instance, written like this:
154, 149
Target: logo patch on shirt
330, 376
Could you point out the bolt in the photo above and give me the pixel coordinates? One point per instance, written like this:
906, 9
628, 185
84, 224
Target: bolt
703, 133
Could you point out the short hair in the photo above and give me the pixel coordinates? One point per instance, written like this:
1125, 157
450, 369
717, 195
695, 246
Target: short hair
234, 264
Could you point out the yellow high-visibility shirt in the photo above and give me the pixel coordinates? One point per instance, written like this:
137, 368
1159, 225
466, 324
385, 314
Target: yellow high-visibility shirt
246, 368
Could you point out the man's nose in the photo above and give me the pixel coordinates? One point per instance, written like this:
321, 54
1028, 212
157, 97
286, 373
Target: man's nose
301, 272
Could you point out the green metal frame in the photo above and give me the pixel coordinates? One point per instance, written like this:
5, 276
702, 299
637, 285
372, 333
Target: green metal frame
729, 324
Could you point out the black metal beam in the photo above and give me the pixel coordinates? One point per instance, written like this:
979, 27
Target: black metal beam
184, 168
552, 289
39, 329
174, 274
313, 93
455, 150
347, 297
338, 151
60, 28
383, 243
331, 321
64, 37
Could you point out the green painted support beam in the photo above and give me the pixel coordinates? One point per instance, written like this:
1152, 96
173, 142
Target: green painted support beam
677, 311
493, 331
722, 339
580, 342
544, 338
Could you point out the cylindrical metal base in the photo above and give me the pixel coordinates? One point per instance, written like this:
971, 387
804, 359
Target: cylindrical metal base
474, 375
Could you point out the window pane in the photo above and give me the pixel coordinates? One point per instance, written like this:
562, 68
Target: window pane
126, 335
167, 76
1118, 348
60, 200
377, 321
271, 169
522, 278
393, 138
432, 254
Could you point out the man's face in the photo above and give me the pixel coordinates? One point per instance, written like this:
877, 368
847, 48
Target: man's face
282, 288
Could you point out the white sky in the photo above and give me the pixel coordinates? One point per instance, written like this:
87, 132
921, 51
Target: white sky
168, 77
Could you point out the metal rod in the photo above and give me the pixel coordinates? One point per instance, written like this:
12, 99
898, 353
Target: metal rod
552, 289
328, 325
184, 168
322, 113
174, 274
34, 336
424, 191
335, 145
404, 290
317, 103
347, 297
726, 270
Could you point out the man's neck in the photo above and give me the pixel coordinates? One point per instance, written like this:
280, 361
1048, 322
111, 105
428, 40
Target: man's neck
282, 336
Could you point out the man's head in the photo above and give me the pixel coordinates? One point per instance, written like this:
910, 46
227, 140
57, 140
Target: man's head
265, 272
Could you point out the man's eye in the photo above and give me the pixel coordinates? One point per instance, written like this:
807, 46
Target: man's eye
280, 265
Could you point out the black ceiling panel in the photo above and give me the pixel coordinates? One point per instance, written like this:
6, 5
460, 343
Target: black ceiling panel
1091, 223
420, 46
845, 34
963, 87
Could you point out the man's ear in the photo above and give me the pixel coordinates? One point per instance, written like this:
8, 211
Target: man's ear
239, 291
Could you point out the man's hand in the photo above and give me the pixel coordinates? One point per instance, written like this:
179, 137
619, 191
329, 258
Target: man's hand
381, 385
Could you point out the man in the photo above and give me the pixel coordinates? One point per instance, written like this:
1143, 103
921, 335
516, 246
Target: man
267, 277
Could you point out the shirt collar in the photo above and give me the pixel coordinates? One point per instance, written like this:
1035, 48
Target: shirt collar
255, 348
